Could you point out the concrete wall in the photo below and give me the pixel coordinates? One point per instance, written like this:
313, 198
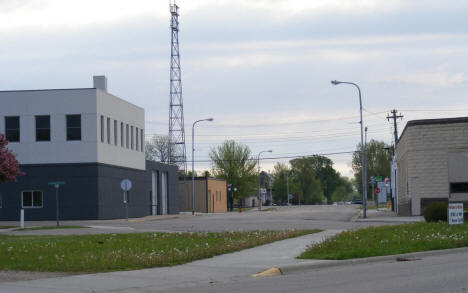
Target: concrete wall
91, 104
423, 162
217, 196
119, 110
92, 191
57, 104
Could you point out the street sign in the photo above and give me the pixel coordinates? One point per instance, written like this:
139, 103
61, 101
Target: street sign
378, 178
377, 190
56, 184
455, 213
126, 185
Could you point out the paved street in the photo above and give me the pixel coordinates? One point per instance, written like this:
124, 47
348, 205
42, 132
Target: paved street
303, 217
225, 270
442, 273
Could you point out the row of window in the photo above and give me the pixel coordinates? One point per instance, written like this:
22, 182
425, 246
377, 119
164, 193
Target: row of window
130, 137
12, 127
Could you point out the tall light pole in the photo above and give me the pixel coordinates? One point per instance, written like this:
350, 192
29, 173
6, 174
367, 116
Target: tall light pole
363, 150
193, 161
259, 187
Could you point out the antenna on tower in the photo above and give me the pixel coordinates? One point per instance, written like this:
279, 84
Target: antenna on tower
176, 147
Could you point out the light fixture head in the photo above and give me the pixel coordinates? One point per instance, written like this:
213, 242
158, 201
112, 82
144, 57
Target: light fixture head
209, 119
335, 82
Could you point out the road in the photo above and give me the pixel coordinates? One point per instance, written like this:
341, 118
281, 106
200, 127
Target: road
443, 273
303, 217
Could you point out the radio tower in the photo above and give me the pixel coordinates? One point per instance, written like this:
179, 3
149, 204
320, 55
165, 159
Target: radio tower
176, 108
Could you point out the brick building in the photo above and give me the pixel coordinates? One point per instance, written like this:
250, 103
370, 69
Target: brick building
210, 195
432, 163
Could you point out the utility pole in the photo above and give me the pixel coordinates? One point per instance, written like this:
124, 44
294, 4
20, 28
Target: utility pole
394, 117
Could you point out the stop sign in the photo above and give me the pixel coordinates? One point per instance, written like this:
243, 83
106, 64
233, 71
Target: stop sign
377, 190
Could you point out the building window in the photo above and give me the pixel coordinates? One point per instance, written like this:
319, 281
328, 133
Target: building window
12, 128
141, 138
121, 134
136, 139
459, 187
131, 140
1, 200
102, 128
31, 199
73, 127
43, 128
115, 132
108, 131
126, 136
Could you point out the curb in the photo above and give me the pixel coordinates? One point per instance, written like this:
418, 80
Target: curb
286, 269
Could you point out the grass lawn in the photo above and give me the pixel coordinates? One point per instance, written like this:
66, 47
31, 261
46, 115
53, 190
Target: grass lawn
388, 240
50, 228
112, 252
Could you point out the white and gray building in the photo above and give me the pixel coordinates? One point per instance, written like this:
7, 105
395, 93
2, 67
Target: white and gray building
91, 140
432, 163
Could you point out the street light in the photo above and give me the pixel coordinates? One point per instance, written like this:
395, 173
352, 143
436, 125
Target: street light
363, 150
193, 161
259, 187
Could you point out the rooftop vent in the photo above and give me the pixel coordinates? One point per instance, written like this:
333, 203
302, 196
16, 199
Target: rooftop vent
100, 82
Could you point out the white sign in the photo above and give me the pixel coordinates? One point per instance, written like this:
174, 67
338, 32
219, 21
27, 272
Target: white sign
126, 185
382, 195
455, 213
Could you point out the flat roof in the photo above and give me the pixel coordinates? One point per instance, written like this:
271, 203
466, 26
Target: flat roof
42, 90
433, 122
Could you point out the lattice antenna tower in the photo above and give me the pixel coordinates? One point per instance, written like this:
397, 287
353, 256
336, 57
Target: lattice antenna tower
177, 149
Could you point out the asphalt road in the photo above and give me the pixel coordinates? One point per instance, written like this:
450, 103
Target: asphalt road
443, 273
303, 217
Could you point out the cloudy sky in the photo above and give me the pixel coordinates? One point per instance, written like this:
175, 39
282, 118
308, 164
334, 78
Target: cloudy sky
261, 68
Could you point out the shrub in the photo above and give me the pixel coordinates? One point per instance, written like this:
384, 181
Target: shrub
436, 211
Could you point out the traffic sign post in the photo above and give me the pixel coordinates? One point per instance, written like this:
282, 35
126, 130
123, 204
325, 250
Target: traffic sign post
57, 184
126, 185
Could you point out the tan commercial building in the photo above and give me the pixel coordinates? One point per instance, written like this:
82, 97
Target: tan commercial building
210, 195
432, 163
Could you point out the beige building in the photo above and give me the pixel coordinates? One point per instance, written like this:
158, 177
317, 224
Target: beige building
432, 163
210, 195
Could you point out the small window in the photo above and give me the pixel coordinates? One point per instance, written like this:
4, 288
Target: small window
102, 128
43, 128
126, 136
121, 134
115, 132
136, 139
12, 128
108, 131
31, 199
131, 140
73, 127
141, 138
459, 187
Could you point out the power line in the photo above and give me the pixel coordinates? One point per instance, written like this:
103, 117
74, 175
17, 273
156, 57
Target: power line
277, 158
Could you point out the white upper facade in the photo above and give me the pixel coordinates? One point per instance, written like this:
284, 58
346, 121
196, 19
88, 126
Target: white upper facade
86, 125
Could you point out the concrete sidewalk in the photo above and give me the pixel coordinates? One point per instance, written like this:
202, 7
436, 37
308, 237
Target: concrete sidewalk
219, 269
387, 216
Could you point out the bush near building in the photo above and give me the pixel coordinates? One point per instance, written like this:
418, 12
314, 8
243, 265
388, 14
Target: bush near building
436, 211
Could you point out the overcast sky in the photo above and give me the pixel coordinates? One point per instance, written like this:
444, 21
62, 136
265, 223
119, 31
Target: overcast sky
261, 68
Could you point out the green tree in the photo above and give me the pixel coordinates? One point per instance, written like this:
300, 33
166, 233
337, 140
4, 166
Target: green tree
378, 162
280, 173
232, 161
305, 183
329, 178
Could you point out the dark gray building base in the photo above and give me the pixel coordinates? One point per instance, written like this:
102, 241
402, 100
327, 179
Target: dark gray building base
92, 191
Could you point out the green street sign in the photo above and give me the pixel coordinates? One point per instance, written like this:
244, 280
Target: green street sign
378, 178
57, 183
